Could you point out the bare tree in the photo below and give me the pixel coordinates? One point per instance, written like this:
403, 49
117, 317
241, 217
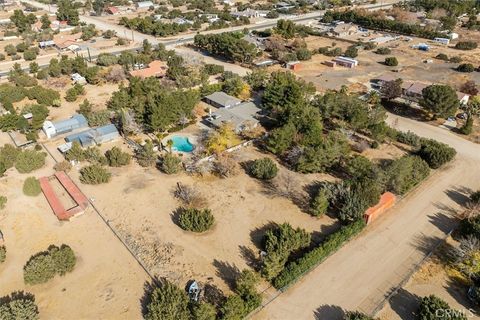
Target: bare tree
189, 196
225, 166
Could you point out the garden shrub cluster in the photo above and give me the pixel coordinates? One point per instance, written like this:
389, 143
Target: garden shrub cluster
94, 174
44, 265
296, 269
19, 306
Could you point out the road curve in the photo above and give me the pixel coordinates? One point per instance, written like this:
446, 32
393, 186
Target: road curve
362, 273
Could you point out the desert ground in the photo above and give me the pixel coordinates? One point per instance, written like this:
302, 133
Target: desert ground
107, 282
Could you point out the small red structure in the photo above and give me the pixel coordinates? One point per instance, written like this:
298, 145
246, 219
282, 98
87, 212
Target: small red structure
293, 65
112, 10
387, 200
78, 197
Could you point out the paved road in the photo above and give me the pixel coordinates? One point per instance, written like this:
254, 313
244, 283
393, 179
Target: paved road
360, 274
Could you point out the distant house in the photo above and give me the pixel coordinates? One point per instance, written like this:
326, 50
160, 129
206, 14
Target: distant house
242, 116
64, 41
144, 4
222, 100
346, 62
94, 136
283, 6
343, 30
156, 68
112, 10
51, 129
46, 44
211, 17
182, 21
249, 13
415, 91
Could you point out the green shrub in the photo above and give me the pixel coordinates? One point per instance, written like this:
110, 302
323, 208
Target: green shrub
117, 158
98, 118
442, 56
467, 128
9, 155
391, 61
3, 254
95, 156
75, 153
171, 164
466, 45
430, 306
146, 156
475, 197
455, 59
30, 160
409, 138
94, 174
106, 59
18, 306
356, 315
212, 69
383, 50
320, 203
31, 187
295, 269
405, 173
436, 153
196, 220
167, 302
466, 67
3, 202
44, 265
264, 169
351, 52
63, 166
279, 243
29, 55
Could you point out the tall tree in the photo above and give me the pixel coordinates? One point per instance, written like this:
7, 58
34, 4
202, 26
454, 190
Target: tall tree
440, 100
66, 11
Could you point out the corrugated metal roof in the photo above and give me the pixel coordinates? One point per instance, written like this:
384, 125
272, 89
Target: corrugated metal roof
75, 122
223, 99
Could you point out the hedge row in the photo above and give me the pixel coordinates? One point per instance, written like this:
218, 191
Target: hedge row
296, 269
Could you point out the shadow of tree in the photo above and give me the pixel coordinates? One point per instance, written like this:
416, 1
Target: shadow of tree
213, 295
251, 258
227, 272
257, 234
461, 195
329, 312
444, 221
405, 304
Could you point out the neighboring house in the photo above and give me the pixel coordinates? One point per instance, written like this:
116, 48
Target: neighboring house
51, 129
283, 6
380, 81
211, 17
257, 41
222, 100
242, 116
64, 41
112, 10
249, 13
414, 92
156, 68
94, 136
144, 4
46, 44
182, 21
345, 62
343, 30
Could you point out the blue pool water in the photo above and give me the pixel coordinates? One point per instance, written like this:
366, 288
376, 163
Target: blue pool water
182, 144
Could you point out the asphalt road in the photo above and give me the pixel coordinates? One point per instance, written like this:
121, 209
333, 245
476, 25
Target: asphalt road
363, 272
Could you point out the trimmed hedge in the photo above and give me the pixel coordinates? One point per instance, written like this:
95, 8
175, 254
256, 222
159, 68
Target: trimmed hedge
295, 269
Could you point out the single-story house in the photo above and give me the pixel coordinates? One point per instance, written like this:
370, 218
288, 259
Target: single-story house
94, 136
144, 4
242, 116
46, 44
249, 13
414, 92
155, 68
211, 17
182, 21
63, 41
77, 121
220, 99
344, 29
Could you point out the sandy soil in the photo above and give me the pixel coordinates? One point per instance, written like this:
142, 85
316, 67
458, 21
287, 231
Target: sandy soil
107, 282
361, 273
241, 207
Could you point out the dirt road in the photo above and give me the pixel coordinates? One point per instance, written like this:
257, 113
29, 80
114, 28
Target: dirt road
359, 275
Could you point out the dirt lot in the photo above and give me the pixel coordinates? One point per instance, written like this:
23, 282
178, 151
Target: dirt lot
431, 278
106, 278
411, 64
139, 204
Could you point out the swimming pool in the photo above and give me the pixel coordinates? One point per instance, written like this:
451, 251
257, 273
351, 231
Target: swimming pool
182, 144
